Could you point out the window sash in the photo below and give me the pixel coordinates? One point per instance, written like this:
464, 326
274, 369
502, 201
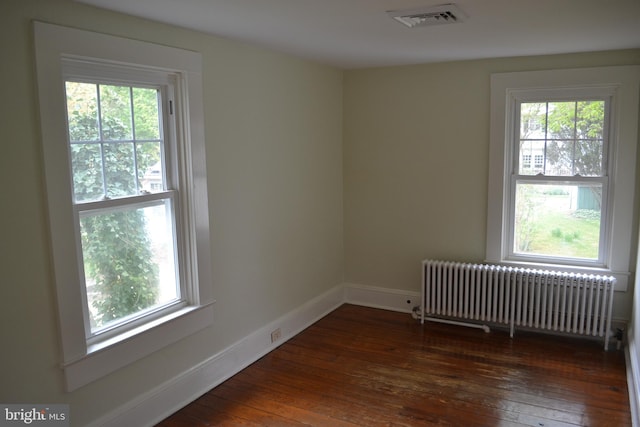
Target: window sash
163, 83
596, 94
136, 319
513, 145
514, 255
107, 74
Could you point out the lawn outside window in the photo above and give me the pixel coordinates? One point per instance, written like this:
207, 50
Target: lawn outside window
562, 169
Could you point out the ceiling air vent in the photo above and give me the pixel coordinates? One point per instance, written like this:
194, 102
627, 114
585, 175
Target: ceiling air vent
428, 16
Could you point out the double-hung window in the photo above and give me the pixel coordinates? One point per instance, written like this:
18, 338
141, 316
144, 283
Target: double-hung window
122, 148
562, 169
558, 204
123, 145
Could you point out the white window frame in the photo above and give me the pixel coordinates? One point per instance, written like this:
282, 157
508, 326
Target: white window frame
83, 360
516, 98
507, 91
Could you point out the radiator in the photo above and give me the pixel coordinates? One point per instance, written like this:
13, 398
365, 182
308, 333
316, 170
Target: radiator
474, 294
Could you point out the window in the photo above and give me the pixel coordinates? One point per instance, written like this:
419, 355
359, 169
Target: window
557, 206
562, 169
118, 139
124, 163
538, 160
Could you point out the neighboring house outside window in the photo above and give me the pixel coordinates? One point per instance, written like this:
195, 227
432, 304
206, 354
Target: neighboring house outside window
124, 163
538, 162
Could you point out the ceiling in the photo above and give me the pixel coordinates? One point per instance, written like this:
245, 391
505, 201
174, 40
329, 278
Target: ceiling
360, 33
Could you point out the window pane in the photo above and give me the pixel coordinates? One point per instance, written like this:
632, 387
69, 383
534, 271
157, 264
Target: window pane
82, 111
559, 158
86, 165
115, 106
533, 116
589, 158
120, 169
145, 109
590, 120
558, 220
562, 120
150, 174
531, 157
129, 263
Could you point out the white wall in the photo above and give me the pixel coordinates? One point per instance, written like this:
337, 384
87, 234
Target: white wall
633, 354
416, 146
274, 156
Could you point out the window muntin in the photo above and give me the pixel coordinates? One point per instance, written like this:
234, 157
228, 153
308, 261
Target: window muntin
558, 201
126, 214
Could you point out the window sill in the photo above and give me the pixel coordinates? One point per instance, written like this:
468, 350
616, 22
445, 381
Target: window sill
110, 355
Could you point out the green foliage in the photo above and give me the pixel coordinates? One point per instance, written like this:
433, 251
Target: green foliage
559, 234
582, 123
567, 237
590, 214
118, 258
576, 120
117, 254
526, 217
555, 191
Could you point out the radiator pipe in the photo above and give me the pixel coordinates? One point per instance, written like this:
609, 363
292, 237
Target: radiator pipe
454, 322
416, 314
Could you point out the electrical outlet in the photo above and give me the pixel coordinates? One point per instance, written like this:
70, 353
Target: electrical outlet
276, 335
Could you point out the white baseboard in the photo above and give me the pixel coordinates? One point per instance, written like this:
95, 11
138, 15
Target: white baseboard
633, 378
375, 297
160, 402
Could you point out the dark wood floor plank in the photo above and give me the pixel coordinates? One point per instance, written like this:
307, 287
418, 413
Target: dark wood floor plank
242, 412
440, 372
408, 383
494, 354
366, 367
391, 383
287, 405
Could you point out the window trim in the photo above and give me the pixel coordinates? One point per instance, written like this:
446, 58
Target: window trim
82, 362
623, 82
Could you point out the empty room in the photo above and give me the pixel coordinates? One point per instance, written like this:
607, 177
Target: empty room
331, 213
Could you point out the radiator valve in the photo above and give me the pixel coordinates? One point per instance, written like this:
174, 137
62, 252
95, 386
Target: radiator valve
619, 335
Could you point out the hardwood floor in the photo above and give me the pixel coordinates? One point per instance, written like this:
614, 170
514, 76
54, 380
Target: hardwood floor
366, 367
